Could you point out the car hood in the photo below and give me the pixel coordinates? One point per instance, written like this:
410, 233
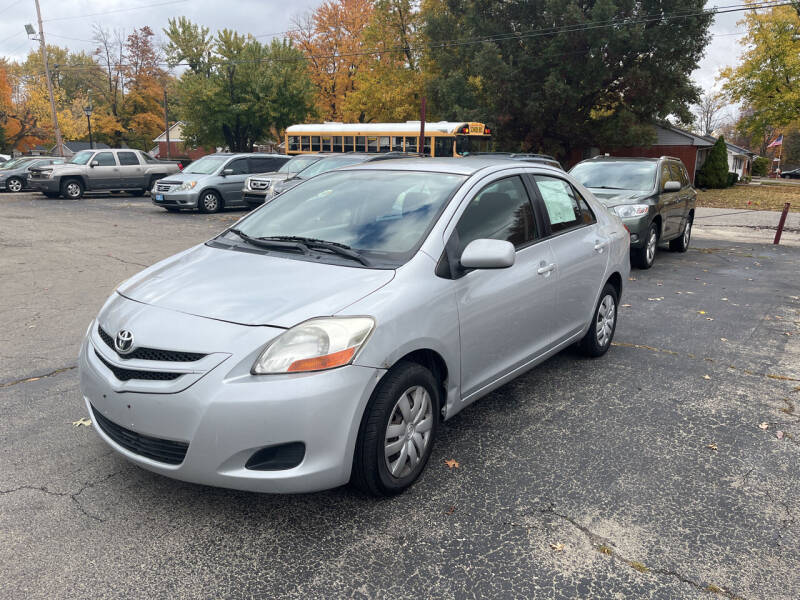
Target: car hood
616, 197
251, 289
182, 177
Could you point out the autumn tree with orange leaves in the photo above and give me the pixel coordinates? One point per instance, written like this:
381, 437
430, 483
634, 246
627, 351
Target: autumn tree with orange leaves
332, 40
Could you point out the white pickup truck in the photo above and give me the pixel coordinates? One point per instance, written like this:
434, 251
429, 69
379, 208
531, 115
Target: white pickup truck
92, 170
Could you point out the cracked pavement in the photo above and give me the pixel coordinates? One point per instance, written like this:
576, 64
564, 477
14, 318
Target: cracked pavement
643, 474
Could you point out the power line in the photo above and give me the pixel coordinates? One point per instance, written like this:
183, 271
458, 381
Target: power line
118, 10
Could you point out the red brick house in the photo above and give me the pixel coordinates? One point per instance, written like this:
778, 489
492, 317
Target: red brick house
177, 148
670, 141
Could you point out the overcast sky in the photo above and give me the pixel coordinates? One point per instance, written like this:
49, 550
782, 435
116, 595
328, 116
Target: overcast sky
69, 23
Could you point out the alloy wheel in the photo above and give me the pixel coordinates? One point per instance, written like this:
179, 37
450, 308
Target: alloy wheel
210, 202
652, 244
14, 185
606, 315
73, 189
687, 233
408, 431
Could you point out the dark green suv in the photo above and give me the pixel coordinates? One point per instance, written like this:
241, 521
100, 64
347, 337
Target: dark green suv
654, 198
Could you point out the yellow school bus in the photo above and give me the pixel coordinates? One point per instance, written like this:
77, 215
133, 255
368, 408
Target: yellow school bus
445, 138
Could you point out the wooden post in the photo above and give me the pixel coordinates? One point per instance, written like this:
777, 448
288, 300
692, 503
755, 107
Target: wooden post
421, 145
166, 124
781, 223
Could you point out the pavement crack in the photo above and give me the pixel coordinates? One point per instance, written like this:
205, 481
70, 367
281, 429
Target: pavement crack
122, 260
607, 547
37, 377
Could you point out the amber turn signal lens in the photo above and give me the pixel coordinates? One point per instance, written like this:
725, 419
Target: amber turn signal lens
320, 363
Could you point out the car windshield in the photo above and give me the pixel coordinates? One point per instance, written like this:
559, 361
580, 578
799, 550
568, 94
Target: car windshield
81, 158
329, 164
619, 175
15, 162
298, 163
206, 165
383, 215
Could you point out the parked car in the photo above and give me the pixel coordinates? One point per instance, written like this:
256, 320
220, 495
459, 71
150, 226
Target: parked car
331, 162
526, 156
91, 170
257, 188
4, 158
654, 198
323, 338
792, 174
213, 182
15, 175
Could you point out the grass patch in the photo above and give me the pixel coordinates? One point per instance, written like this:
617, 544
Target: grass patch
639, 566
753, 197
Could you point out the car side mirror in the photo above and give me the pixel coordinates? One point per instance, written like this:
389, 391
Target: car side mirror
226, 172
672, 186
94, 164
488, 254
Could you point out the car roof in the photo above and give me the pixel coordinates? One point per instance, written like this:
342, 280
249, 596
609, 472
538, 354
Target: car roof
624, 159
458, 166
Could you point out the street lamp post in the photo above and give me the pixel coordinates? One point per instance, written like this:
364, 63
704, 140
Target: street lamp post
87, 110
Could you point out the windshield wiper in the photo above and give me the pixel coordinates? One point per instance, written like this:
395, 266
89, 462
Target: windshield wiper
333, 247
271, 243
605, 187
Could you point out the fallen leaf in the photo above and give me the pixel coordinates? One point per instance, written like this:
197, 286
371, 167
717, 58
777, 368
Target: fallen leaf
789, 333
678, 292
690, 292
659, 284
701, 312
84, 422
724, 299
557, 547
723, 339
706, 377
764, 426
712, 447
709, 318
659, 299
631, 278
625, 305
779, 435
451, 511
452, 463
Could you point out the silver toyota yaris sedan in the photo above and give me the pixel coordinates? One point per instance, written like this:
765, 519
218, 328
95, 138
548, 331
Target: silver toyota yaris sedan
323, 337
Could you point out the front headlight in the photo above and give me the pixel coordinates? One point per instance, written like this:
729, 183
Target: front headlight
186, 186
626, 211
315, 345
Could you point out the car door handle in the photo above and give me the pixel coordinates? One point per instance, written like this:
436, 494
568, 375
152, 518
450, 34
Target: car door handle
600, 246
545, 269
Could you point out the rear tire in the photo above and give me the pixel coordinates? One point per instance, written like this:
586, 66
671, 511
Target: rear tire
401, 420
72, 189
598, 339
51, 194
681, 244
14, 184
209, 202
645, 257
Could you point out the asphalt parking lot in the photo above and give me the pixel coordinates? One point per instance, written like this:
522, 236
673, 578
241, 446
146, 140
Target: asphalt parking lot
666, 469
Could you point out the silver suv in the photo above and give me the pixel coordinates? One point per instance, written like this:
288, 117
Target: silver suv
259, 188
214, 182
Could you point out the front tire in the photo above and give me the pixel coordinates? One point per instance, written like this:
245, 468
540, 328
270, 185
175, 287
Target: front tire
645, 257
137, 192
598, 339
14, 184
72, 189
209, 202
397, 431
681, 244
51, 194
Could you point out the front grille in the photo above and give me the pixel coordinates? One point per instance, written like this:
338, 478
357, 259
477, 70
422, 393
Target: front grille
165, 451
151, 353
259, 184
163, 187
128, 374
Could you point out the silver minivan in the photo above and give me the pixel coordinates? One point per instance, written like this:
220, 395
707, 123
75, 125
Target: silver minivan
324, 337
213, 182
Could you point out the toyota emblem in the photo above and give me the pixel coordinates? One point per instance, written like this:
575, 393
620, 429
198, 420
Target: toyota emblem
124, 342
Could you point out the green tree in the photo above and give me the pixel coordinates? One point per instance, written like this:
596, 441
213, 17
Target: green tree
760, 166
247, 91
714, 173
552, 74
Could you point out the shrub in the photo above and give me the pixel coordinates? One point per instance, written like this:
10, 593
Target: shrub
760, 166
732, 179
714, 173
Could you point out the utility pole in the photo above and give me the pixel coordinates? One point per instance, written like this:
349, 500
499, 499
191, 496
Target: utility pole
56, 129
166, 123
422, 126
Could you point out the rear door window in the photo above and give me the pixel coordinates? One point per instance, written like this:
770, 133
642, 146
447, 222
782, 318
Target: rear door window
128, 158
263, 164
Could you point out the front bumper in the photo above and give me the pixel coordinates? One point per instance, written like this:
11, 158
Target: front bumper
226, 414
638, 227
252, 198
44, 185
186, 199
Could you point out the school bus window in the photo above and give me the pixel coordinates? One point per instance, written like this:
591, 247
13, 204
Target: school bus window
384, 144
348, 143
305, 145
443, 146
327, 143
427, 150
315, 143
397, 144
411, 144
294, 143
361, 143
372, 144
337, 143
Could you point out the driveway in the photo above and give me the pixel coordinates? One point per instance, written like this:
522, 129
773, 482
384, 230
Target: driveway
667, 469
